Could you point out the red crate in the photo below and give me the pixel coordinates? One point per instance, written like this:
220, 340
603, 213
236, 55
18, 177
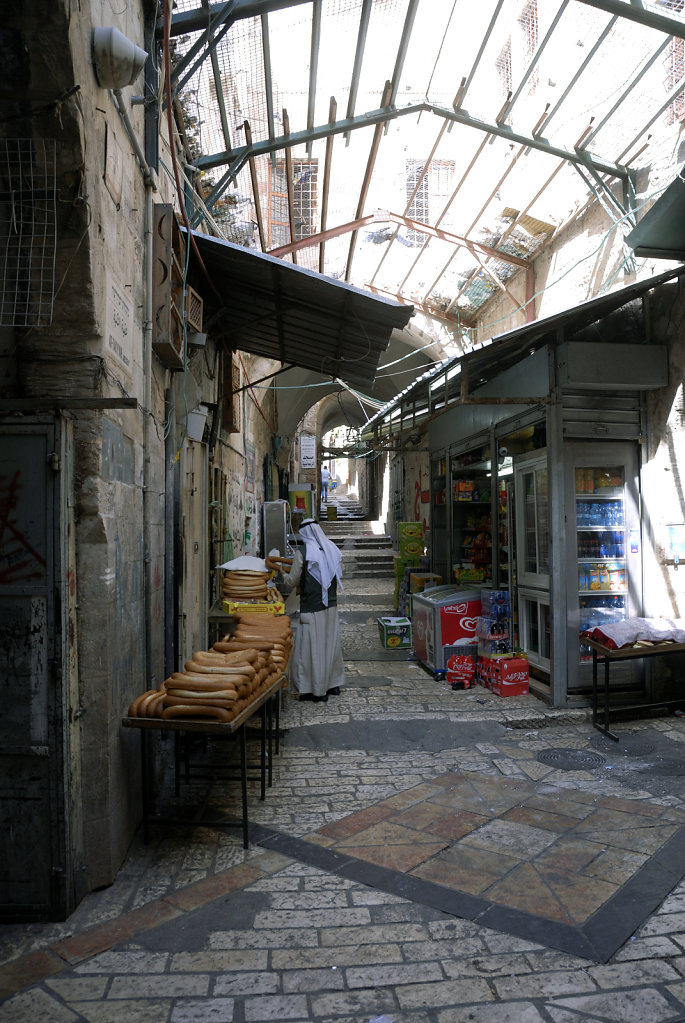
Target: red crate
510, 677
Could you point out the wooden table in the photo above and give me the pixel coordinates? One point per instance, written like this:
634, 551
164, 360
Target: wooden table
624, 653
267, 704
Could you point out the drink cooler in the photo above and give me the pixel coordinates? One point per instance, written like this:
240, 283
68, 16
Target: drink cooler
443, 616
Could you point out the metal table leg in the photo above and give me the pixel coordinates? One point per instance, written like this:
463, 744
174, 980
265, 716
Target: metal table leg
145, 784
243, 785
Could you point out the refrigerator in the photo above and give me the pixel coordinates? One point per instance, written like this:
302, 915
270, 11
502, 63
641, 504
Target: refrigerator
443, 616
604, 555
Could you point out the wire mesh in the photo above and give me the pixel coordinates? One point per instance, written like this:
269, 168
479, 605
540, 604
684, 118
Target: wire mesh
567, 77
28, 231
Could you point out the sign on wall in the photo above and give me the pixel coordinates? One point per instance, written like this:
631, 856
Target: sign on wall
307, 451
119, 324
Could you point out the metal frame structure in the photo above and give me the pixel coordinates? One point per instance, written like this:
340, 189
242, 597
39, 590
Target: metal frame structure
605, 179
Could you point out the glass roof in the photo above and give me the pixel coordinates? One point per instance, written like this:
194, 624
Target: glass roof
434, 147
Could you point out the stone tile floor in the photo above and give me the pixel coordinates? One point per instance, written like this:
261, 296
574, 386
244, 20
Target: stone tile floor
415, 859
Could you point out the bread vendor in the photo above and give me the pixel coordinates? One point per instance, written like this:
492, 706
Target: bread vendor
317, 666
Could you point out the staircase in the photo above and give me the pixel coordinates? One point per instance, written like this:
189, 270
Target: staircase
366, 551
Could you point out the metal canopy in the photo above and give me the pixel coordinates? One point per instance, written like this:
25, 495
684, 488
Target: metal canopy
455, 380
268, 307
661, 232
488, 127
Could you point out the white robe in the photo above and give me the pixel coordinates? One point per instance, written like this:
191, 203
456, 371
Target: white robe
317, 663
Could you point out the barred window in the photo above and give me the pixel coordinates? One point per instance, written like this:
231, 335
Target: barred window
675, 70
305, 178
434, 189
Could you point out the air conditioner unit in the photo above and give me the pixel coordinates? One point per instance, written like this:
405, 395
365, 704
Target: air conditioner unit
177, 312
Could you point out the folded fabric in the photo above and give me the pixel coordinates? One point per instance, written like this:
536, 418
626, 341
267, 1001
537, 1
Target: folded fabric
615, 635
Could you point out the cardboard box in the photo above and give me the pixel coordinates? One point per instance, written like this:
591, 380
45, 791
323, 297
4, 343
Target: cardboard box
510, 677
409, 531
270, 607
394, 633
410, 538
420, 581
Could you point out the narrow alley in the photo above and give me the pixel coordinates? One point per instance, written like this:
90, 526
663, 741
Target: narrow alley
422, 856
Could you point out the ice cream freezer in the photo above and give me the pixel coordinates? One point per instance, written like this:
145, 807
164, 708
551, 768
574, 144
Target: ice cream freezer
443, 616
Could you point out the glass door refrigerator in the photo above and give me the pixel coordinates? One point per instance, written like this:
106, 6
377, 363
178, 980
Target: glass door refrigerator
533, 548
605, 559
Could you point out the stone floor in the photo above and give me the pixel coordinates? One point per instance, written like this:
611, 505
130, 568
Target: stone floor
422, 856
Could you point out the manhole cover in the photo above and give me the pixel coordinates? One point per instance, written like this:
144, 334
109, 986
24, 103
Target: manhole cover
627, 745
570, 759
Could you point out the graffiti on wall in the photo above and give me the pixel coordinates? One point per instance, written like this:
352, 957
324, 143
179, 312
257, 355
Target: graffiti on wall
20, 560
420, 497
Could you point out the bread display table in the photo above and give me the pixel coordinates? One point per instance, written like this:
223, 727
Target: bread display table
608, 655
268, 706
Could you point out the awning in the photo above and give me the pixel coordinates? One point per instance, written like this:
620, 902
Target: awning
266, 306
661, 231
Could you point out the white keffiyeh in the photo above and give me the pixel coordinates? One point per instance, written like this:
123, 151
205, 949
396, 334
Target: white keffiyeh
324, 560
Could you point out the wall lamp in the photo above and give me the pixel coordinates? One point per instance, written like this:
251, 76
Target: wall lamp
118, 61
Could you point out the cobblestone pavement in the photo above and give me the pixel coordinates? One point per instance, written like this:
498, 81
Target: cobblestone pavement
196, 929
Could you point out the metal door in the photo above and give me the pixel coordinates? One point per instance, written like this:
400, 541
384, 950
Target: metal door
35, 819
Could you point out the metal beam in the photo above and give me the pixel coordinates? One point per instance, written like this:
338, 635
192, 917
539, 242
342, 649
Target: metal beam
531, 67
221, 17
625, 92
480, 213
370, 164
578, 73
322, 236
255, 189
421, 177
364, 19
66, 402
414, 225
313, 68
237, 158
289, 183
268, 81
427, 310
402, 50
225, 130
328, 160
672, 96
464, 88
636, 12
234, 10
445, 211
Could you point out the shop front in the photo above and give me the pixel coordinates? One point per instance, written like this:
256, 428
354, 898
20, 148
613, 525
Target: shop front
537, 486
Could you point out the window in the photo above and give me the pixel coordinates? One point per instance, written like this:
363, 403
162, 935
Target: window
230, 393
528, 21
503, 66
434, 189
675, 69
305, 177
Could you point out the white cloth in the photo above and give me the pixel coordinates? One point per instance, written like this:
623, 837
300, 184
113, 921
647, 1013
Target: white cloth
324, 560
655, 630
317, 663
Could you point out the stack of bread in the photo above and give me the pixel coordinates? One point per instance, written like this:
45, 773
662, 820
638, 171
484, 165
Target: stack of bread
215, 685
267, 633
245, 581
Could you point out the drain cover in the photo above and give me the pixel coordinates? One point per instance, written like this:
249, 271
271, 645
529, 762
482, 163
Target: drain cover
571, 759
627, 745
